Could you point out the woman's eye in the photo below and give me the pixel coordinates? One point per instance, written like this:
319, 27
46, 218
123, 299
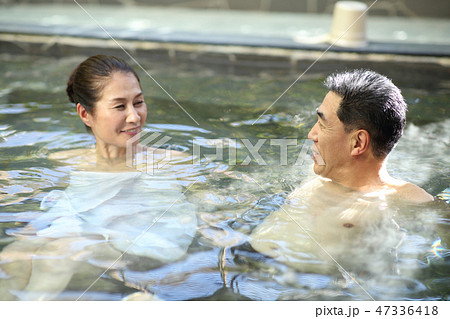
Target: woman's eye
120, 106
139, 103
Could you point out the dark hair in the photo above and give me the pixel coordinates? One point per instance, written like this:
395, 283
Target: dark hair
89, 78
370, 101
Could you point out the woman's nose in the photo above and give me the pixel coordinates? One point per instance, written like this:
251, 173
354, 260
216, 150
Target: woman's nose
133, 115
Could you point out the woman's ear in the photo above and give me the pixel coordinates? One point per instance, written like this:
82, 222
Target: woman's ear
360, 142
84, 115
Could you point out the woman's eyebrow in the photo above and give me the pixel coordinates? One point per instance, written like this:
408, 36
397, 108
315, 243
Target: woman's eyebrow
120, 99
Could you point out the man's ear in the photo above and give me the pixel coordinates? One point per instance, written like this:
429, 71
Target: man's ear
360, 142
84, 115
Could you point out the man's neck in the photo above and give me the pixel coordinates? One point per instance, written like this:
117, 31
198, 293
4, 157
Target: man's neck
365, 176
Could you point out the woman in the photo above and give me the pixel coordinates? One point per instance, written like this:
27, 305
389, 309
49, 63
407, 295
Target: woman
109, 212
109, 100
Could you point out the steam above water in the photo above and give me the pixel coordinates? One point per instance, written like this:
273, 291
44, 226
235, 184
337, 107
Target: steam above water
422, 156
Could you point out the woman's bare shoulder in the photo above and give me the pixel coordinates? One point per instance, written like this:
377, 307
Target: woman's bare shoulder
77, 157
67, 154
168, 154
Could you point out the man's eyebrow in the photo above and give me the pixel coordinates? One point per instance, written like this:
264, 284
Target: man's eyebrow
320, 114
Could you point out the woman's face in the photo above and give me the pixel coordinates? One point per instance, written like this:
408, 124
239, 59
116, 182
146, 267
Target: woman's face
119, 114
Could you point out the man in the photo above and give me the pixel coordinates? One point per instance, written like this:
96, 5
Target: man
345, 214
359, 122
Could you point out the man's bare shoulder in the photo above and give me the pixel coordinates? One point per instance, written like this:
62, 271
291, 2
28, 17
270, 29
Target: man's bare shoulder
413, 193
306, 187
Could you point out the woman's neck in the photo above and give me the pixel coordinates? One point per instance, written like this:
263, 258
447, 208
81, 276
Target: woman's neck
110, 158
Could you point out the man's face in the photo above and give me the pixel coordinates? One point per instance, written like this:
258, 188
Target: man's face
332, 145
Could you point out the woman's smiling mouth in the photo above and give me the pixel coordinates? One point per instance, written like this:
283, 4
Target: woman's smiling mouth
132, 131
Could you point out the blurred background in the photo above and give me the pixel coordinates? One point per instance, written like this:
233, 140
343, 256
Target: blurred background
399, 8
244, 69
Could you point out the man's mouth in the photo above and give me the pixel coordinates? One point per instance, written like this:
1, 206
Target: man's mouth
316, 156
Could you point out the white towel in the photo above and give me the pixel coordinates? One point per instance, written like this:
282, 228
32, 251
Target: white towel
140, 214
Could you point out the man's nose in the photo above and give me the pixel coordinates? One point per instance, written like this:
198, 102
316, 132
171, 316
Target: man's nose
312, 135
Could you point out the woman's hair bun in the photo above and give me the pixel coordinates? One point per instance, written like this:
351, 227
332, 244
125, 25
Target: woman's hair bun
69, 89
